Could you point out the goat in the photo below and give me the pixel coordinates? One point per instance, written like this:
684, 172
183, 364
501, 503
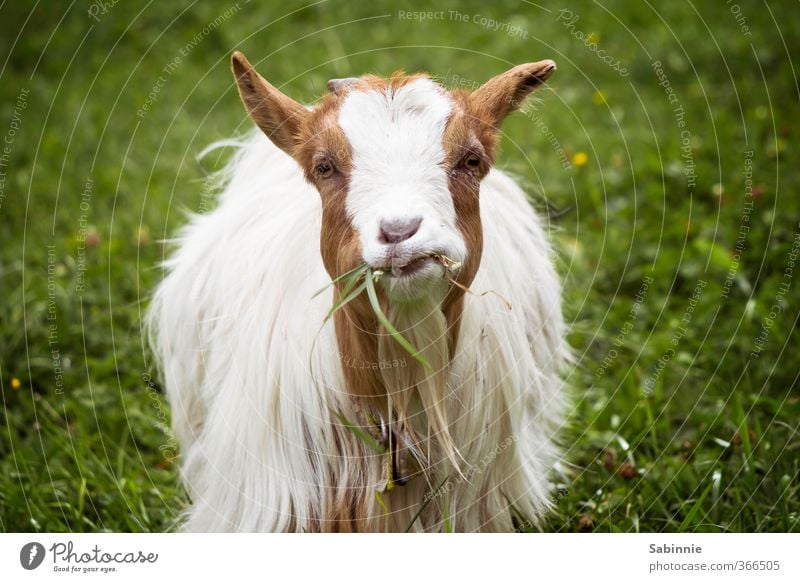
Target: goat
288, 421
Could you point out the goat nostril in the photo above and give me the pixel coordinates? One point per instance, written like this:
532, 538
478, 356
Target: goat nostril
399, 229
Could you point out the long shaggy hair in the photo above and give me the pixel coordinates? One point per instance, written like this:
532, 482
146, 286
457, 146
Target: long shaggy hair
278, 410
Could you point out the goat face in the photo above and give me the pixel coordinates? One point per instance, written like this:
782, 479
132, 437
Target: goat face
398, 164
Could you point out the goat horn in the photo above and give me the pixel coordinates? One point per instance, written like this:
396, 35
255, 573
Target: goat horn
339, 85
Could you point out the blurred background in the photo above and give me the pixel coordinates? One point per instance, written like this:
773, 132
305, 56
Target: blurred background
661, 154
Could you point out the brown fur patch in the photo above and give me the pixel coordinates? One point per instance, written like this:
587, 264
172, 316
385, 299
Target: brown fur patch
473, 129
468, 133
321, 138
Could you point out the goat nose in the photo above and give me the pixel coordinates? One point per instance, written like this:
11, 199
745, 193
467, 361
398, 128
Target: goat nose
397, 230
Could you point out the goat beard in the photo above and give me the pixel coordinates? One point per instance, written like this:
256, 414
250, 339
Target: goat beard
418, 397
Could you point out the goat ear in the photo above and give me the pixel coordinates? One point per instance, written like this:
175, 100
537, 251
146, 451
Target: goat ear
278, 116
506, 92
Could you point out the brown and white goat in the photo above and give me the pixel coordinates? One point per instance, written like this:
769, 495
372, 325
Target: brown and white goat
288, 423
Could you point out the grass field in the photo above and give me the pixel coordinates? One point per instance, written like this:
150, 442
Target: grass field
663, 150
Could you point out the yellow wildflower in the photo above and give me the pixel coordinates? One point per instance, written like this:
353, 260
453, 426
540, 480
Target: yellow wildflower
580, 159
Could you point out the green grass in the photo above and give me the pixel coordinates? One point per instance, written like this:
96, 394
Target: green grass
709, 443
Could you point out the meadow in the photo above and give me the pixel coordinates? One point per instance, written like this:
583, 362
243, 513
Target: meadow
661, 154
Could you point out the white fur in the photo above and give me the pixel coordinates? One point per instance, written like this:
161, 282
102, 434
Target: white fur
398, 170
253, 384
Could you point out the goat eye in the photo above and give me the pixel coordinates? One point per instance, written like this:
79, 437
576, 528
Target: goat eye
324, 169
471, 162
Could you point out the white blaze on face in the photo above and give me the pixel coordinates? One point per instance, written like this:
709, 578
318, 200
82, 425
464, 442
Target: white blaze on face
398, 170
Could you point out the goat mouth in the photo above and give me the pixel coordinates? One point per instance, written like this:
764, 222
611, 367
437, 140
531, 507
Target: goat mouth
410, 267
420, 266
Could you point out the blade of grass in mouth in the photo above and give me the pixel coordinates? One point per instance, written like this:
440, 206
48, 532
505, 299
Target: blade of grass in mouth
384, 321
353, 289
345, 299
353, 275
